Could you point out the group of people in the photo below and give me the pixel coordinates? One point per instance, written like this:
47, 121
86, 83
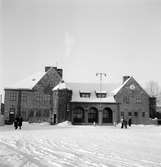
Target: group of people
125, 122
18, 122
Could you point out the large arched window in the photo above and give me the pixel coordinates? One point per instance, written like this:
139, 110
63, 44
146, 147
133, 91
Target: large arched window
38, 113
78, 115
107, 115
46, 113
31, 113
93, 115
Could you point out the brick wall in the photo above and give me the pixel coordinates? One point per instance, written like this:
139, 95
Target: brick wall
10, 101
34, 105
48, 82
86, 107
61, 99
134, 101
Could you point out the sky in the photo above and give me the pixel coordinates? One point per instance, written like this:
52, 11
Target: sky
117, 37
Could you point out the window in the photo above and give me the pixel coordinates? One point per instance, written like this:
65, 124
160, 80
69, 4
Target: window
93, 115
129, 114
12, 96
136, 114
37, 98
45, 100
24, 114
68, 107
132, 93
86, 95
12, 110
31, 113
78, 115
24, 97
46, 113
138, 100
38, 113
107, 115
143, 114
126, 100
122, 114
101, 95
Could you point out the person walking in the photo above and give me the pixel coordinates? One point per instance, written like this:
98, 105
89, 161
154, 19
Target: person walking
125, 123
122, 122
20, 122
129, 122
16, 123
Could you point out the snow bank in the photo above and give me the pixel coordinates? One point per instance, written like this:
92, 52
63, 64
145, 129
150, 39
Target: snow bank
64, 124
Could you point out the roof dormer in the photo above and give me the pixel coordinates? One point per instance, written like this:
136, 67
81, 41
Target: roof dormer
101, 94
85, 94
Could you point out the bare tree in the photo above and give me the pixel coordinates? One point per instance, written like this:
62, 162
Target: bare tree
154, 90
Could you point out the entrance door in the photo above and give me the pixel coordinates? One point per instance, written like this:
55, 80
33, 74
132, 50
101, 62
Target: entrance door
93, 115
78, 115
107, 115
12, 115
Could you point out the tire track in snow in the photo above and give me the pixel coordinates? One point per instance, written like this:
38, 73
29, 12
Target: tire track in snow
56, 153
28, 157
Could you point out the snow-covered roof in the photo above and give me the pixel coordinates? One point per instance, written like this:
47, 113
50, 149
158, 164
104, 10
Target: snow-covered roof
92, 88
94, 99
104, 92
82, 91
61, 85
115, 91
29, 82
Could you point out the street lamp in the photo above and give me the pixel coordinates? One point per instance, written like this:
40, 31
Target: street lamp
101, 74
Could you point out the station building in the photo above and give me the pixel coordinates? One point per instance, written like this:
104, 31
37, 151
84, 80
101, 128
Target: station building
46, 97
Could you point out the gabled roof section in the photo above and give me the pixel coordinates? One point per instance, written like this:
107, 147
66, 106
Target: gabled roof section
115, 91
29, 82
141, 87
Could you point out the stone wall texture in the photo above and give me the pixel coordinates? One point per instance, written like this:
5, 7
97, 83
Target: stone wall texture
133, 100
34, 105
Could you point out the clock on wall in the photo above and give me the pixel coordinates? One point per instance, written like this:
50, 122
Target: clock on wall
132, 87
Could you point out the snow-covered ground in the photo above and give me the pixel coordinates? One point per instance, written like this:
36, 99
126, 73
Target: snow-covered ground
43, 145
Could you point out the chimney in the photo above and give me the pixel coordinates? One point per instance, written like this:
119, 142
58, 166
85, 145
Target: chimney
48, 68
60, 72
125, 78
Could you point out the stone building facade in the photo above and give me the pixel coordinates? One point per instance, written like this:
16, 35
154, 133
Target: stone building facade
45, 97
133, 101
31, 97
89, 113
88, 105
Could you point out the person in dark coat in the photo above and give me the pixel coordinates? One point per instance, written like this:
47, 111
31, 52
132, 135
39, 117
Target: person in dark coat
15, 123
122, 122
125, 123
129, 122
20, 122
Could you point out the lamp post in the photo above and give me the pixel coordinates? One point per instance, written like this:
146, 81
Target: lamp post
101, 74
